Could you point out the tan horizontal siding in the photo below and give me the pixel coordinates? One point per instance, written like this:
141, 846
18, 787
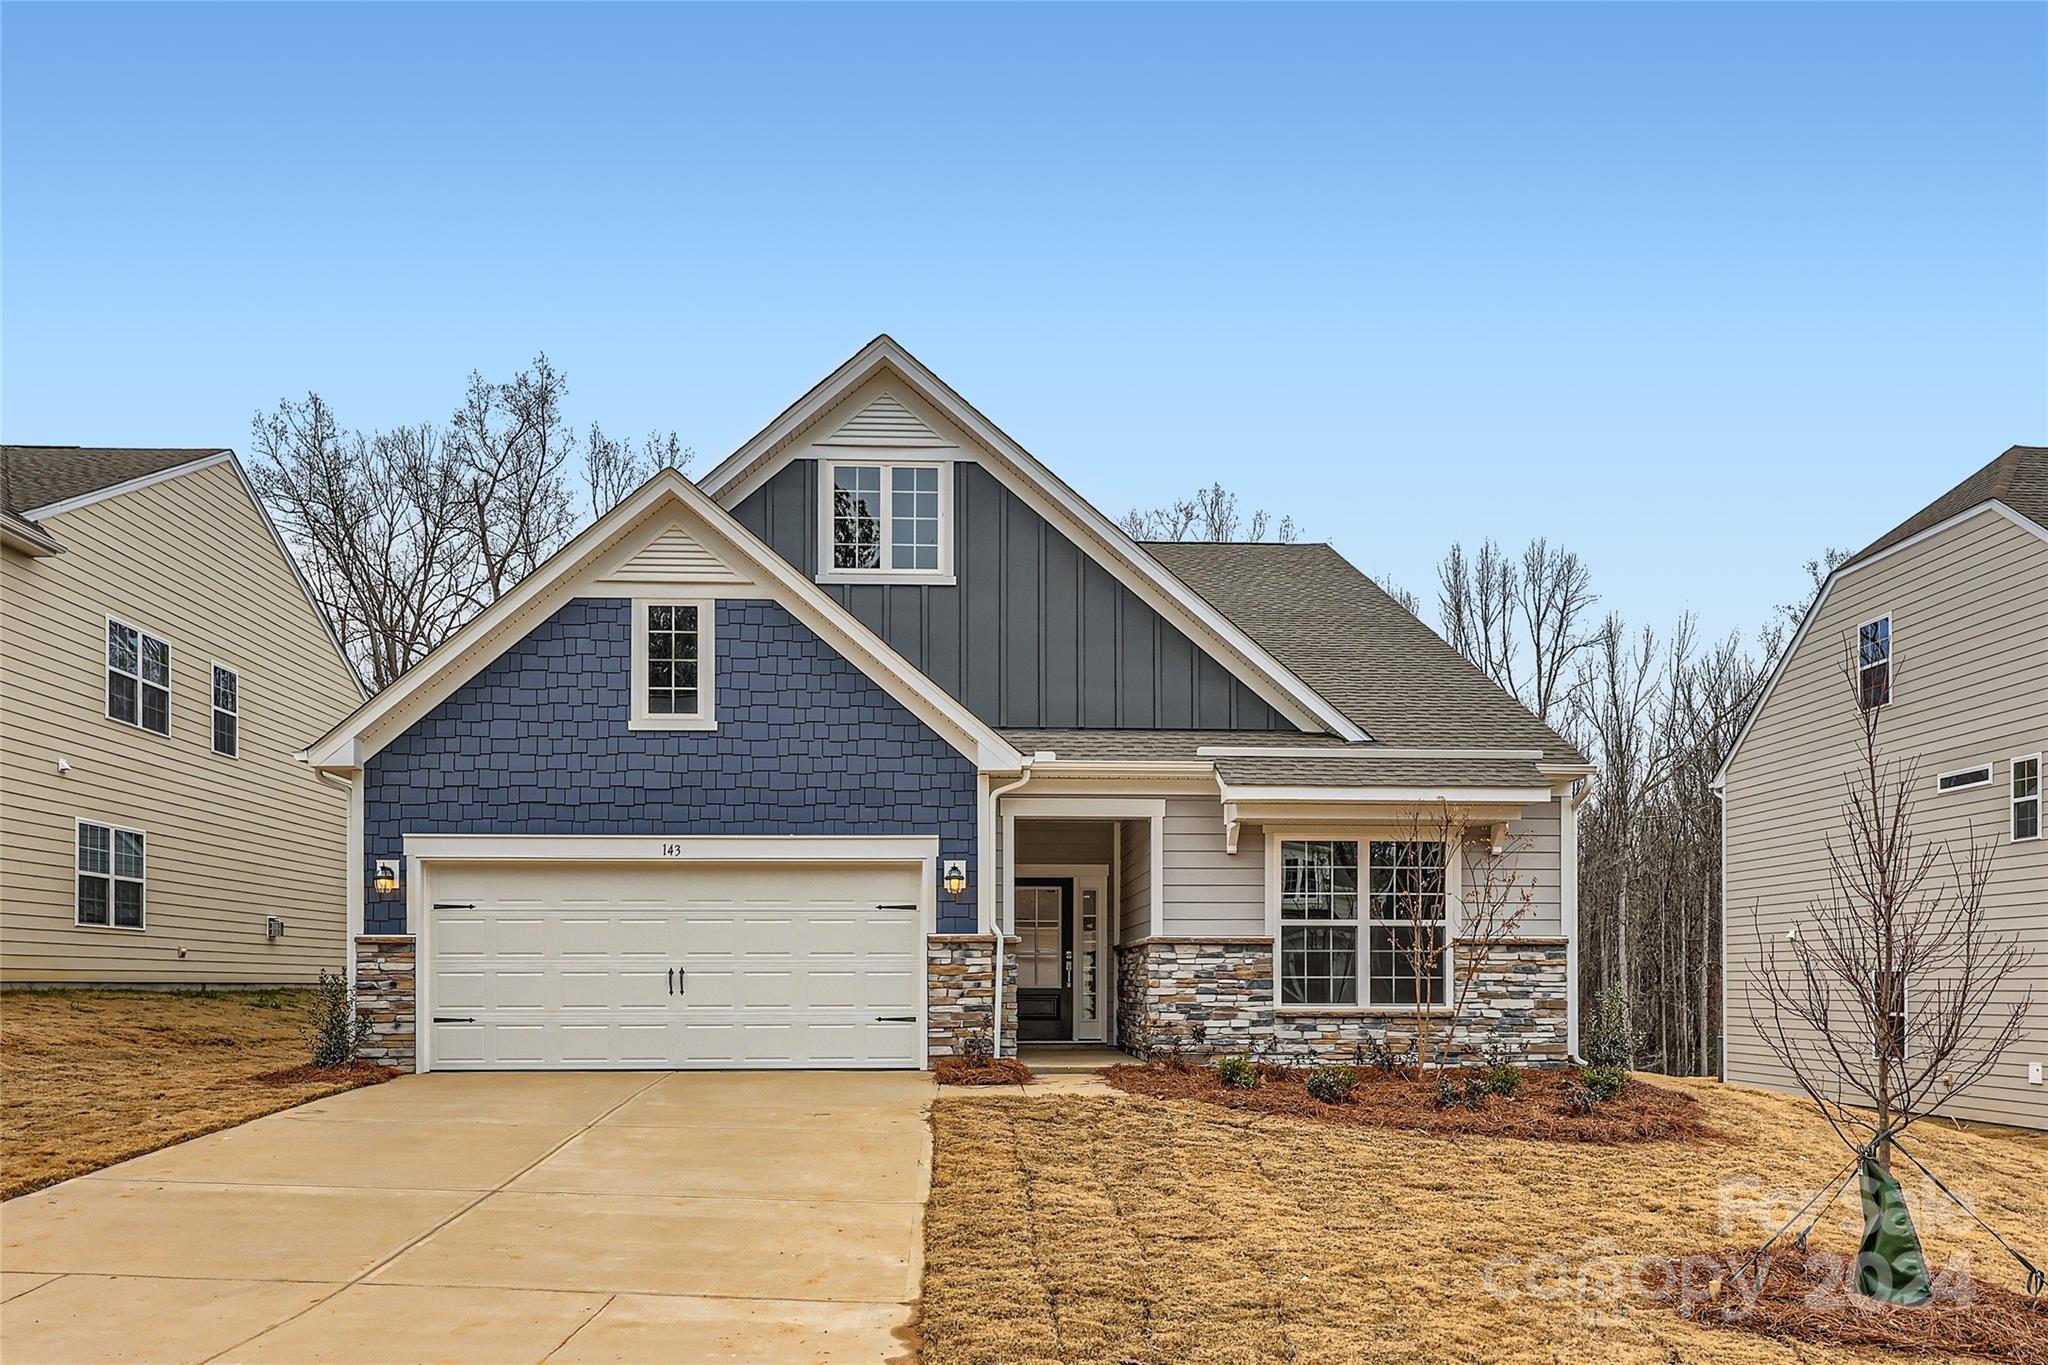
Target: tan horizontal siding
1969, 612
1135, 896
230, 841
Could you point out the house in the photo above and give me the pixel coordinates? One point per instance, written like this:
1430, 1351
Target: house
161, 664
752, 772
1943, 621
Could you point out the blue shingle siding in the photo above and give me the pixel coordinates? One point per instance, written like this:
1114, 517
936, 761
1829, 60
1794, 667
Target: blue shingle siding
538, 743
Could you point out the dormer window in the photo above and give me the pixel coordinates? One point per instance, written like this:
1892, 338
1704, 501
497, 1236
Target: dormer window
886, 519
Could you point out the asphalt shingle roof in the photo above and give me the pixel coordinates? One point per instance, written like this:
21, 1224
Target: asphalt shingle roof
1341, 633
37, 476
2018, 478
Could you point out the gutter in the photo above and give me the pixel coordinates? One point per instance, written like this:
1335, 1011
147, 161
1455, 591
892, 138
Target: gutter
995, 1004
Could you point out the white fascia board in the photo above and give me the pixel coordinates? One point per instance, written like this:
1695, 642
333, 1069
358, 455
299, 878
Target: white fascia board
758, 459
767, 848
1109, 767
115, 490
1357, 751
460, 657
28, 538
1386, 796
1827, 588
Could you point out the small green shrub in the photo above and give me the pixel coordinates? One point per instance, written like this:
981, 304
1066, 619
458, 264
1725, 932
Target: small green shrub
1503, 1080
1466, 1092
1612, 1039
1332, 1084
1237, 1072
1604, 1081
334, 1029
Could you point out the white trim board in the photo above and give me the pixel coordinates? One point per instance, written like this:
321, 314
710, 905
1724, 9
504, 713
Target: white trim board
1045, 493
1827, 588
486, 636
1151, 809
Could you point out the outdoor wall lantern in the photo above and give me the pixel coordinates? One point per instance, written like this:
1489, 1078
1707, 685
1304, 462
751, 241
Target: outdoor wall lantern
386, 880
954, 877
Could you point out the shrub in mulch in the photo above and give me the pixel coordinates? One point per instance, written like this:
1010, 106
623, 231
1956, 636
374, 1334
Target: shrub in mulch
1810, 1296
982, 1071
1538, 1106
355, 1073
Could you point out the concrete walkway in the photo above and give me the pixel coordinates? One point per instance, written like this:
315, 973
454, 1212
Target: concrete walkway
500, 1218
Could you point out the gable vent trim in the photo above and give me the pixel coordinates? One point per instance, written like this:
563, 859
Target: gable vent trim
886, 422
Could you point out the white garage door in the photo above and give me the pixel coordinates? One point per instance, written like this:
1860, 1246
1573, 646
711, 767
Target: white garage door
616, 965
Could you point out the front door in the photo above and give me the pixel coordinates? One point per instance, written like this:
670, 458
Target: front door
1043, 913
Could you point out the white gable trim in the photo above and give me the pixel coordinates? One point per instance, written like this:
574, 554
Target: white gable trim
1827, 589
484, 637
754, 463
219, 457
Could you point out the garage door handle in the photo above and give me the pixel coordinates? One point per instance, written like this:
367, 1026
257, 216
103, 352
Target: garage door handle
682, 981
671, 981
454, 1019
895, 1018
454, 905
896, 907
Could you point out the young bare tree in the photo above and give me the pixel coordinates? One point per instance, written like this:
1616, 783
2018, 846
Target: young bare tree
405, 534
1210, 514
1894, 994
1431, 927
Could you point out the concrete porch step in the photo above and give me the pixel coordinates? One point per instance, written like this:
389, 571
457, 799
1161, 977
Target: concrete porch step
1070, 1059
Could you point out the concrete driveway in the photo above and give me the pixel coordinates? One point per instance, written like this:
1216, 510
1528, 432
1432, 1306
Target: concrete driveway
500, 1218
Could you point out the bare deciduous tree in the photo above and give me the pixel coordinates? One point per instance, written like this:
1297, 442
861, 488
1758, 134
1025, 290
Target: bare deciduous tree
405, 534
1493, 900
1894, 994
1211, 514
1522, 623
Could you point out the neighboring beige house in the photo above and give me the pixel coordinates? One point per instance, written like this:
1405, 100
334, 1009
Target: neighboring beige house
161, 667
1947, 617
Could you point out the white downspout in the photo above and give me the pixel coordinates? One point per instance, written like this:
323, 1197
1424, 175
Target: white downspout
995, 1004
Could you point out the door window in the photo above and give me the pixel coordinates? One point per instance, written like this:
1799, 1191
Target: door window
1038, 938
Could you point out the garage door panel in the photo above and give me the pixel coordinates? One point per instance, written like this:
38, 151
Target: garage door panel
567, 965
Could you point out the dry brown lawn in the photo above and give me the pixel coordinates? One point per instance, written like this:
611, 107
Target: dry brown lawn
1114, 1228
88, 1078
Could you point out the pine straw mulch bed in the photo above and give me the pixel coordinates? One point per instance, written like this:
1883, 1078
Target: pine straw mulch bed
1810, 1297
89, 1078
1641, 1112
981, 1071
1077, 1228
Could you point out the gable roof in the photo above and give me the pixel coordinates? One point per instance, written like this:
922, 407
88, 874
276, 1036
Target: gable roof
36, 481
2015, 485
1341, 633
48, 481
487, 634
2018, 478
1050, 496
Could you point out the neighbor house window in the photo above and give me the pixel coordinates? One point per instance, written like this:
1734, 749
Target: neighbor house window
1403, 959
886, 518
110, 876
1963, 779
672, 664
1874, 663
227, 712
138, 678
2026, 798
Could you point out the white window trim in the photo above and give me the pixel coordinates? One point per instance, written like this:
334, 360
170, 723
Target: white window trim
106, 666
1891, 660
706, 717
77, 829
941, 576
215, 710
2018, 801
1454, 915
1990, 771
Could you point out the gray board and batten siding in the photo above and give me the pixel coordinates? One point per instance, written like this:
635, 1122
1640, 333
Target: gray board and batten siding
1034, 634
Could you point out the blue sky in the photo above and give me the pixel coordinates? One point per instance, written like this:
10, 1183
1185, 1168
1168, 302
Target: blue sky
1696, 290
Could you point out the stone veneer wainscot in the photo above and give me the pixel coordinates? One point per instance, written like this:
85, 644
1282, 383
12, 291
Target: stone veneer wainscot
961, 986
385, 985
1215, 995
